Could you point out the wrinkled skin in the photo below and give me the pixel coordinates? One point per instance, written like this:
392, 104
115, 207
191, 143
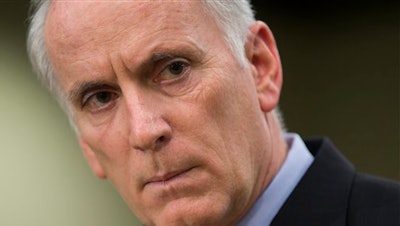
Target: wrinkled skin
164, 110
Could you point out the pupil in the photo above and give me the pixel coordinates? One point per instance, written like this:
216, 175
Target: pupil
103, 97
176, 68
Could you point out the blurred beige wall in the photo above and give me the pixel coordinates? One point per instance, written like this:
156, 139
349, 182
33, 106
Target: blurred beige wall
341, 71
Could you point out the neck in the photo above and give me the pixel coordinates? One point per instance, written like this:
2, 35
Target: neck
278, 149
272, 160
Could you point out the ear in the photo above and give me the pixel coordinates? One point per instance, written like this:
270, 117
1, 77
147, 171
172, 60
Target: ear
262, 53
92, 159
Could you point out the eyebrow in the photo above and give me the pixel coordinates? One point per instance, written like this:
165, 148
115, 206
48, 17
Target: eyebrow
195, 54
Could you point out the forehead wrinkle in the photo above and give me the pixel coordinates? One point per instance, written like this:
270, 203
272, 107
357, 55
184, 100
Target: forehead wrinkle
77, 25
72, 38
165, 31
62, 25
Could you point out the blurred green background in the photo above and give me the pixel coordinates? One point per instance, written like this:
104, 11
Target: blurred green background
341, 79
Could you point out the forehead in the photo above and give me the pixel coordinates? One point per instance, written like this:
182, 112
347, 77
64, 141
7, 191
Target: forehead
75, 20
84, 35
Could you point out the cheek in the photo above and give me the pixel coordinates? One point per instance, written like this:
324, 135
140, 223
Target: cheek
230, 110
233, 115
111, 147
219, 120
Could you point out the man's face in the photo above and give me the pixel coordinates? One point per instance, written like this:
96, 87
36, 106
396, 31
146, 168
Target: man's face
164, 109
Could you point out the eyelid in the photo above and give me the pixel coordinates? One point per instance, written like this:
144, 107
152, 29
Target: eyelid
87, 94
167, 63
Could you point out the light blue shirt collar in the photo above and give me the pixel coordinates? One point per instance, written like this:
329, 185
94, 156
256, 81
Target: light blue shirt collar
294, 167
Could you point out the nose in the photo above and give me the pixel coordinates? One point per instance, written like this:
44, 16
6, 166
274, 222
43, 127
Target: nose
148, 127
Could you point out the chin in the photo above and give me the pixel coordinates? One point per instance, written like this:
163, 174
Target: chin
194, 211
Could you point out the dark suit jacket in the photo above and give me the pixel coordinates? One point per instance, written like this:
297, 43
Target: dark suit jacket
331, 193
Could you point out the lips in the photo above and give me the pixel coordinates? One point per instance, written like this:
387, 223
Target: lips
166, 178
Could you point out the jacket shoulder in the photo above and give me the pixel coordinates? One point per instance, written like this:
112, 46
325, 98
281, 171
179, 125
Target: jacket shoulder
374, 201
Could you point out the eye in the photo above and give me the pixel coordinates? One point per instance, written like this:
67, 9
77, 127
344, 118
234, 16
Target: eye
173, 70
99, 101
176, 68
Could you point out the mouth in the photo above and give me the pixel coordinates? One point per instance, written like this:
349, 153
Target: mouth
167, 178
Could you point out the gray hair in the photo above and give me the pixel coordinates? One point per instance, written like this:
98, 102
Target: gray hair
37, 53
233, 18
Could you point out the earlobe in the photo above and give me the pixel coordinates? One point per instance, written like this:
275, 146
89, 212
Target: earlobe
92, 160
262, 53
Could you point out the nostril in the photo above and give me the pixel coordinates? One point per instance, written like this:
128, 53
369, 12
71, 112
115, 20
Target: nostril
162, 140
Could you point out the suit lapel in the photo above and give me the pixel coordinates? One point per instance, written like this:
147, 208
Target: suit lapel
321, 196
